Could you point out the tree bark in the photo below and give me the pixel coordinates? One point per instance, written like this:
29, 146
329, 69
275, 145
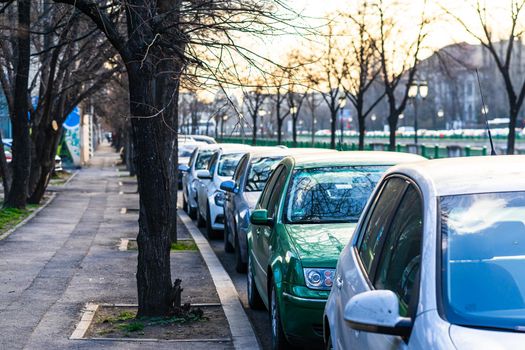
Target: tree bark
17, 196
512, 131
279, 130
362, 129
333, 127
294, 131
150, 140
254, 131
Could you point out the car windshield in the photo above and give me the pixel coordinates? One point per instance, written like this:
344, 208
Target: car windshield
330, 194
203, 159
483, 257
186, 151
260, 170
228, 163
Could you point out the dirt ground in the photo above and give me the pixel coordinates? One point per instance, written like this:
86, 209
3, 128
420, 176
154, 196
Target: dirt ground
119, 322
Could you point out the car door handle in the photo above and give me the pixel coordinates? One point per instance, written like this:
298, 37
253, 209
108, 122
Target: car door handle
339, 282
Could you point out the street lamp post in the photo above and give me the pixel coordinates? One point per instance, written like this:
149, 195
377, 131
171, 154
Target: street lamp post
415, 91
440, 115
342, 104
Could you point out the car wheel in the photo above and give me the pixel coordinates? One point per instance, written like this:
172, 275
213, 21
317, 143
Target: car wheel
192, 212
279, 341
210, 232
328, 342
185, 205
228, 247
240, 266
200, 219
254, 299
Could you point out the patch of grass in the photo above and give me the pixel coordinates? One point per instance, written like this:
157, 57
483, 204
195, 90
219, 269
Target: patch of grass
184, 245
10, 217
123, 316
131, 327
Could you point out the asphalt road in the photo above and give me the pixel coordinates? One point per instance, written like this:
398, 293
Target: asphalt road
259, 318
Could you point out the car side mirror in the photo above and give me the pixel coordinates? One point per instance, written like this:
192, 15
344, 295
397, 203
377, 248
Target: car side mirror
260, 217
203, 174
183, 168
377, 311
229, 186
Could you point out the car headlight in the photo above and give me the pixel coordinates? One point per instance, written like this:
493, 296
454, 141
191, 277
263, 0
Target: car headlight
322, 279
219, 198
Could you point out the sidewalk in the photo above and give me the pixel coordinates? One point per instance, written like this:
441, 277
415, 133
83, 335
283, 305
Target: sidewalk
68, 255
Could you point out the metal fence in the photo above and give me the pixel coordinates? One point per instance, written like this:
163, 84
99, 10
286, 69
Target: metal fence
425, 150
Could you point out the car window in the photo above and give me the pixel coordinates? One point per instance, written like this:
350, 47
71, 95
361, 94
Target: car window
260, 170
483, 259
379, 220
239, 171
213, 163
203, 159
193, 156
277, 190
330, 193
399, 264
228, 163
265, 196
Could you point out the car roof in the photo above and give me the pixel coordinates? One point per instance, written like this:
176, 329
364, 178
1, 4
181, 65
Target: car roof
224, 146
454, 176
353, 158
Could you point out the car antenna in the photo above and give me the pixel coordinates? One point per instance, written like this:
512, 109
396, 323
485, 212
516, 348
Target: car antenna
483, 111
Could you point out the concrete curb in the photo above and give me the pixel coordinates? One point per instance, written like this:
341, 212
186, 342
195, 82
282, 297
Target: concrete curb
240, 326
85, 321
25, 221
71, 178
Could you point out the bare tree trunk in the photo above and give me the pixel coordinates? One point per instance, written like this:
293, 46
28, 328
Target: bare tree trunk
294, 131
156, 210
17, 195
254, 131
279, 131
362, 129
333, 126
512, 131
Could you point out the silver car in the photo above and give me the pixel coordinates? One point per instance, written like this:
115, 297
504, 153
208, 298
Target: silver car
436, 261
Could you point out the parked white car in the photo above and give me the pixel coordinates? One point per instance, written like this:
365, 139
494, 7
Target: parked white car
210, 198
198, 161
436, 261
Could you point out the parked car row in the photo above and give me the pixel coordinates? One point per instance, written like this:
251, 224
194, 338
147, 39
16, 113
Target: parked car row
370, 250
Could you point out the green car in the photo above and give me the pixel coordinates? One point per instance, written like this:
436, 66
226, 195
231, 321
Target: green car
305, 216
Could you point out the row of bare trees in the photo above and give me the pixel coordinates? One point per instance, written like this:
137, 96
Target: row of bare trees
369, 54
51, 61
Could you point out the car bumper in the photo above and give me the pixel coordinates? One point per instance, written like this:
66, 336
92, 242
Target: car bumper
216, 216
302, 319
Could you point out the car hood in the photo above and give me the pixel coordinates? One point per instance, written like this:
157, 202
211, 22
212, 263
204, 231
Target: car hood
472, 338
319, 245
252, 198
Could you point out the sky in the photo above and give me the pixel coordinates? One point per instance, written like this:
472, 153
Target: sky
442, 32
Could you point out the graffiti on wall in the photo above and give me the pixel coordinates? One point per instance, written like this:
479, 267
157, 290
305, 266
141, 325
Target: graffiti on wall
72, 135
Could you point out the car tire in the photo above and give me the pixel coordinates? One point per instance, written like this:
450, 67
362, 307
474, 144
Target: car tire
185, 205
254, 298
210, 232
200, 219
328, 342
228, 247
279, 341
192, 212
240, 266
